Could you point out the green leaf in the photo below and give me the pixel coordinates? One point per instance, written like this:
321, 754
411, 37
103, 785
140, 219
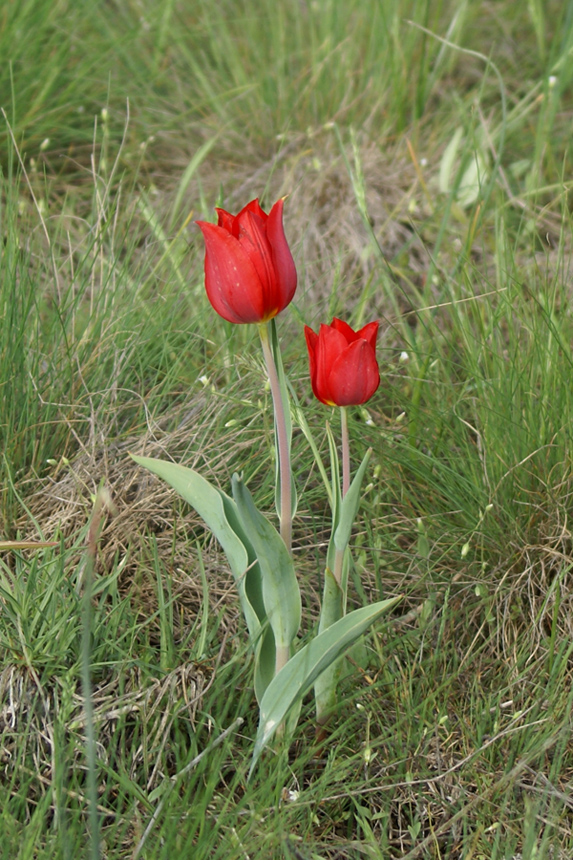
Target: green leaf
281, 594
447, 162
265, 662
220, 514
332, 602
334, 597
302, 670
474, 179
349, 506
336, 500
332, 610
336, 490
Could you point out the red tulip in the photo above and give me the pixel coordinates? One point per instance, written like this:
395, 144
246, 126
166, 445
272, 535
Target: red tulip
343, 366
250, 274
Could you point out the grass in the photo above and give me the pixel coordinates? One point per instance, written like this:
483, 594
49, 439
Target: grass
124, 124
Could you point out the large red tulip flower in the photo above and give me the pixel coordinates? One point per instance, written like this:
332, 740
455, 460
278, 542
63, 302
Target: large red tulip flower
250, 274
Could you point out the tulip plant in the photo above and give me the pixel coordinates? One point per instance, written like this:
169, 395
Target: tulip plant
250, 277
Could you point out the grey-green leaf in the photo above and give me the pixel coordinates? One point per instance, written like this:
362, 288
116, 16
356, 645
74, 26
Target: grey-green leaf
302, 670
349, 506
447, 162
220, 514
281, 594
332, 610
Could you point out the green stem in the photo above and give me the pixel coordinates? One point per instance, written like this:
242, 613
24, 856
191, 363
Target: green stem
339, 555
281, 659
282, 440
345, 451
338, 562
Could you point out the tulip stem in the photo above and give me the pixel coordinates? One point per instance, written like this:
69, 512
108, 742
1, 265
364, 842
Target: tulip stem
345, 451
282, 440
339, 554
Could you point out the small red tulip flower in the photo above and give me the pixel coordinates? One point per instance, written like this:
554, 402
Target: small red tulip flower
343, 366
250, 274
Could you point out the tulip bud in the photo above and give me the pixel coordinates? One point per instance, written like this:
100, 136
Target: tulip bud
343, 366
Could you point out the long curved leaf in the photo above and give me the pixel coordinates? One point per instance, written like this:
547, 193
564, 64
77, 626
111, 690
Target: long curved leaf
220, 514
349, 506
302, 670
281, 593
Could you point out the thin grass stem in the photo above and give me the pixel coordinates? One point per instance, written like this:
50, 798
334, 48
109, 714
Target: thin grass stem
90, 740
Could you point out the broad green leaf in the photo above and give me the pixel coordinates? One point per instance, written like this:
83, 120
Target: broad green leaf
349, 506
219, 513
332, 608
448, 160
265, 661
302, 670
475, 178
281, 594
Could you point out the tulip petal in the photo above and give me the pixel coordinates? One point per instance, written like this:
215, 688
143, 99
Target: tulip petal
254, 207
354, 376
311, 341
369, 333
349, 333
226, 221
284, 267
331, 344
253, 239
231, 280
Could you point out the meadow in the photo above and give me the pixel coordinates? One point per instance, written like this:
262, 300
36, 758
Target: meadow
424, 149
